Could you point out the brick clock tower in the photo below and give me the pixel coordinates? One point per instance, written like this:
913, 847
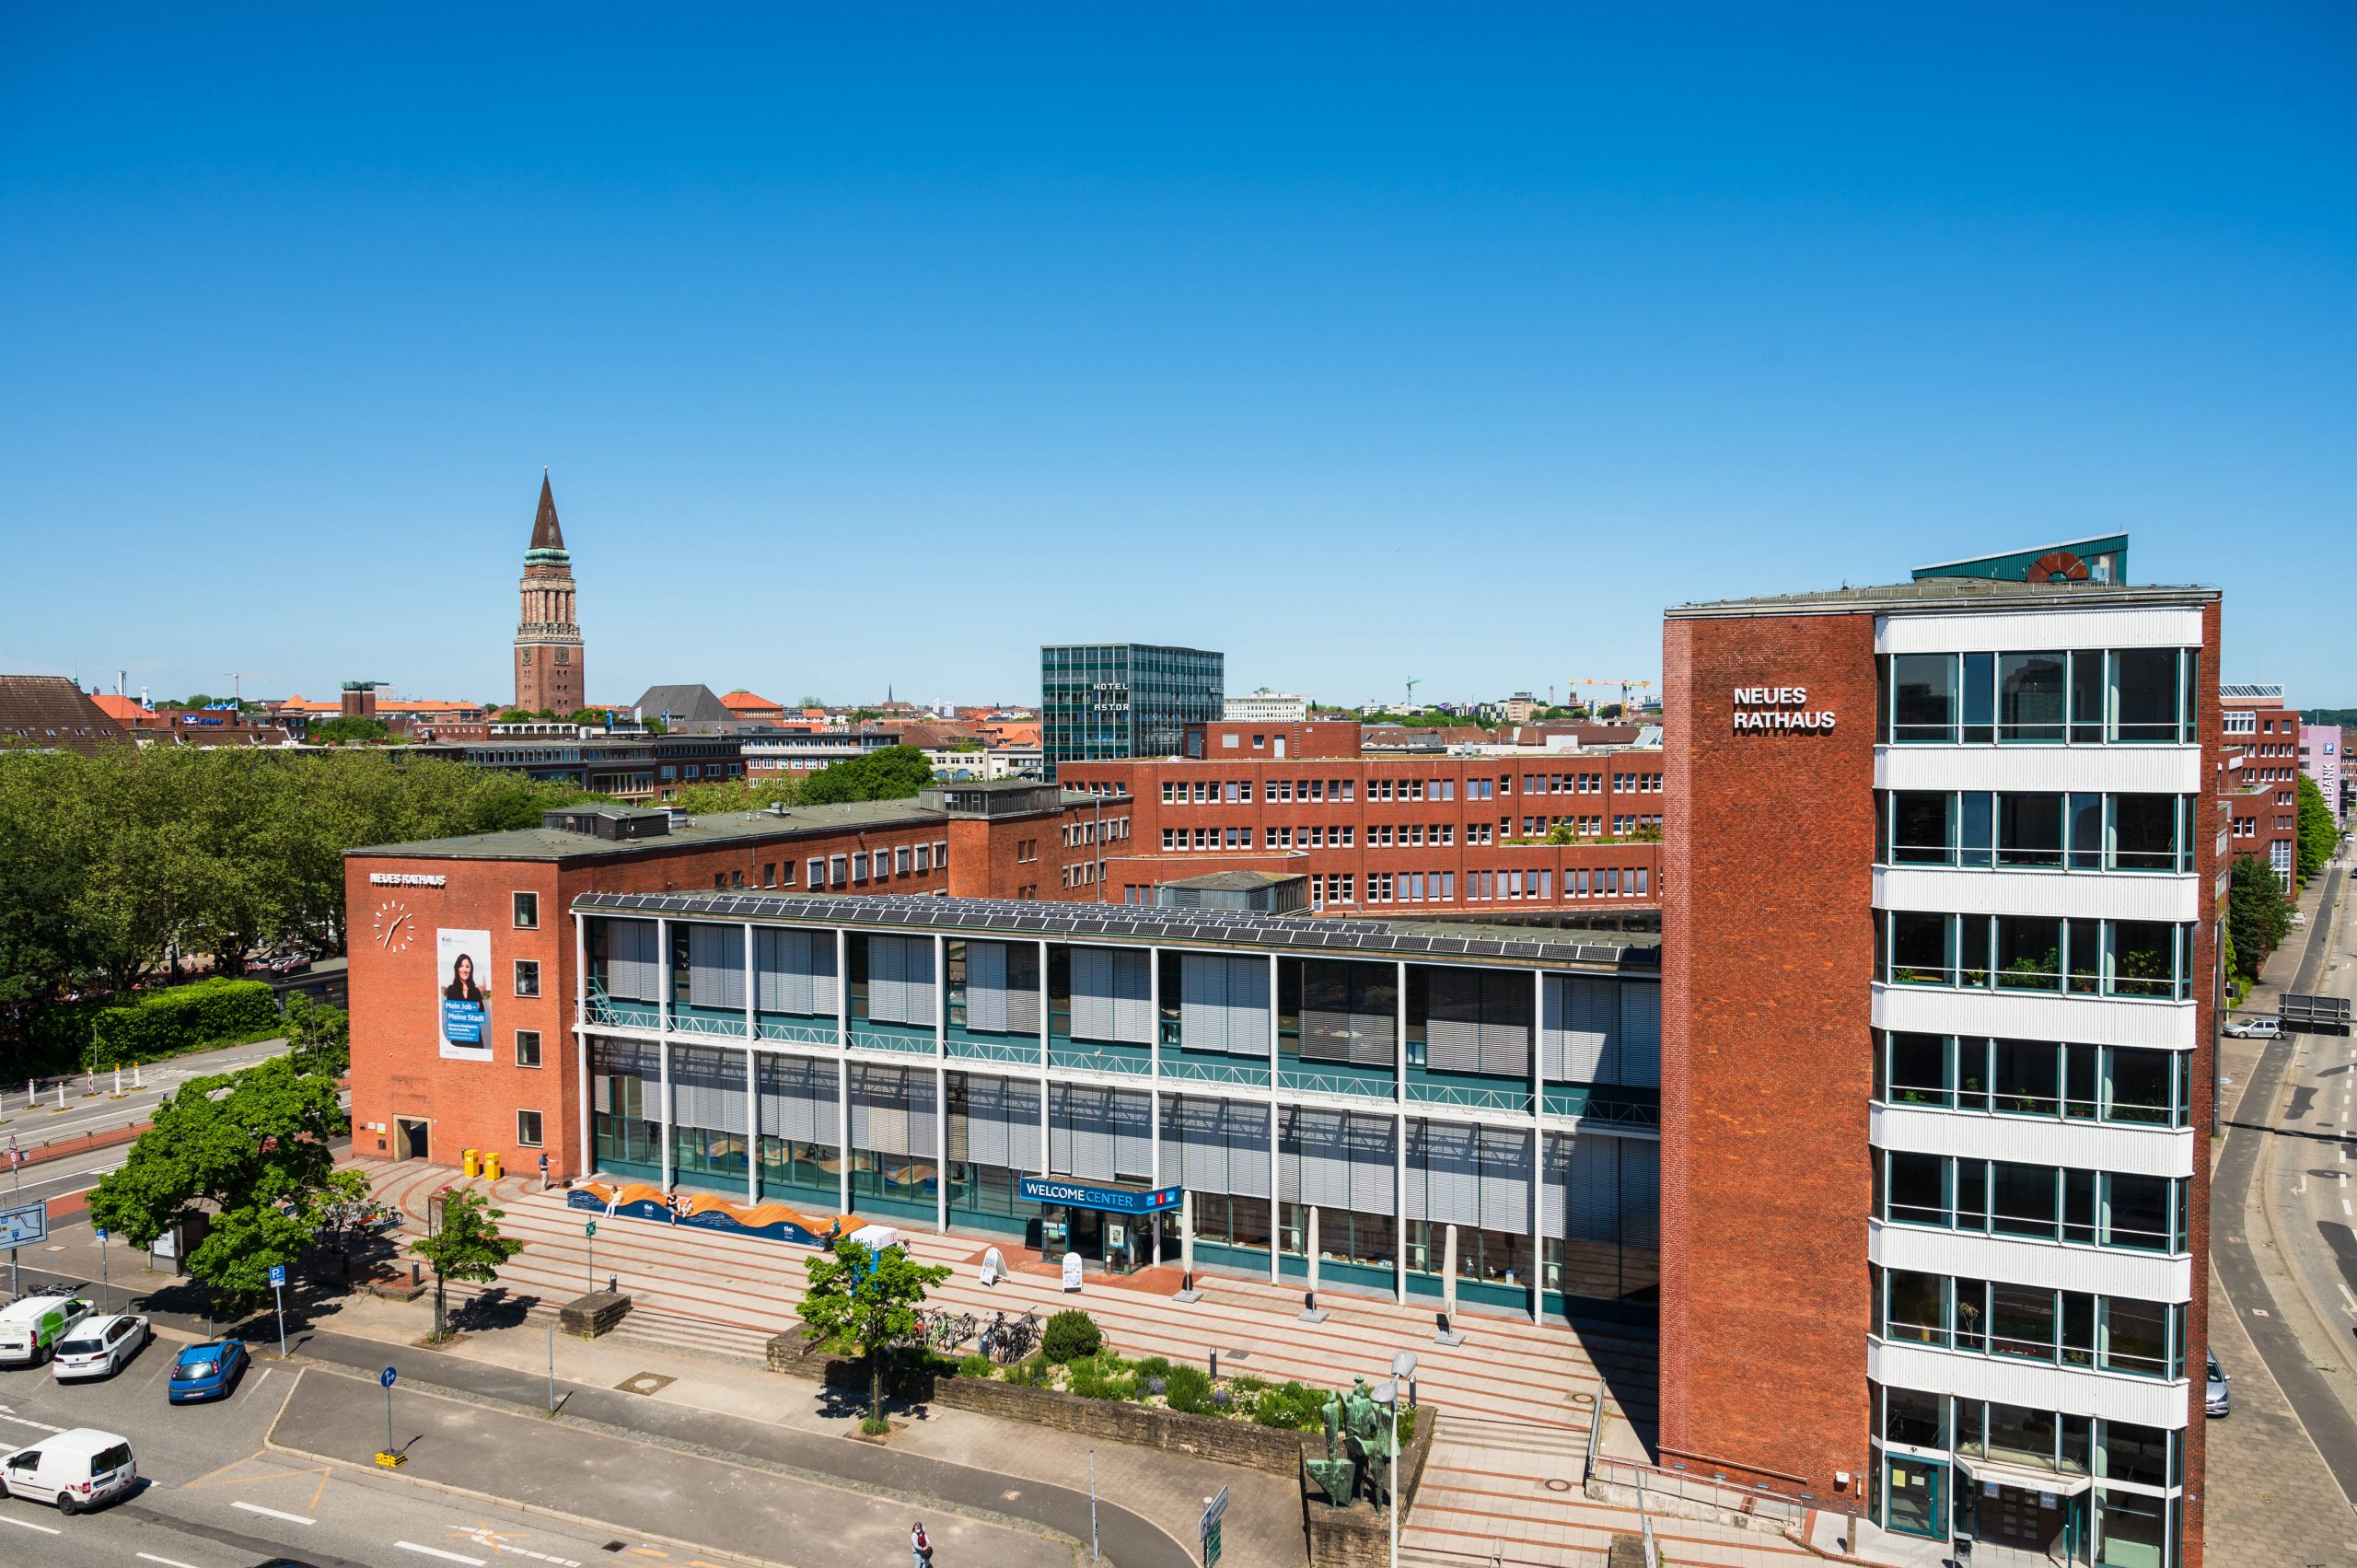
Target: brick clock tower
548, 639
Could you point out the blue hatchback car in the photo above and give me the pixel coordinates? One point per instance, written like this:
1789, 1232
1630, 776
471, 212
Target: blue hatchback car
207, 1372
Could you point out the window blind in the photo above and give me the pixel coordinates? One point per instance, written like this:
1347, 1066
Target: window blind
799, 1100
899, 980
796, 972
1224, 1003
631, 971
986, 987
1211, 1146
1444, 1174
1505, 1179
708, 1088
892, 1109
716, 966
1580, 1030
1478, 1022
1349, 1011
1001, 1124
1640, 1035
1109, 995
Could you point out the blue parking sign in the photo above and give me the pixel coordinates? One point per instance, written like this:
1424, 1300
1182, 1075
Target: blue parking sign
277, 1275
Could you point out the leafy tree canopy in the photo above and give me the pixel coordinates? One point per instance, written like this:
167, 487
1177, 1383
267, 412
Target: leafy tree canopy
466, 1246
2257, 917
896, 772
2318, 831
250, 1150
350, 729
869, 1298
737, 794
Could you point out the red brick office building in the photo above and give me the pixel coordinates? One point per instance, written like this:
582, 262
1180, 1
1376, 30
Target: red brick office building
1392, 833
2258, 776
506, 896
1939, 957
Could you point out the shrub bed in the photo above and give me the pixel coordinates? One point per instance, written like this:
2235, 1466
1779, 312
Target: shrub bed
209, 1012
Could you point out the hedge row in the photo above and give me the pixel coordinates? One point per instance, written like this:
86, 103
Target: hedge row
182, 1018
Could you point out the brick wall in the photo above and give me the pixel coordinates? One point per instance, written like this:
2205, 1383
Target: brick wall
1767, 1060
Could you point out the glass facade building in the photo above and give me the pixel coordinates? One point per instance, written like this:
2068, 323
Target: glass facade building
1105, 701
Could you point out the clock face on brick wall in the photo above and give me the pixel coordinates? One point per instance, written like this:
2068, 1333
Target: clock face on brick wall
395, 926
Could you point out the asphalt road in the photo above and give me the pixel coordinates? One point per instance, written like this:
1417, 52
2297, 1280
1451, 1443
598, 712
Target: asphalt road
2294, 1142
33, 1120
214, 1496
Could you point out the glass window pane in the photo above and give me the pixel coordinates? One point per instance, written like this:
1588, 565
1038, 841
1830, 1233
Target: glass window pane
2026, 1078
1923, 697
1918, 1307
2138, 1090
2136, 1337
1909, 1416
2135, 1453
2143, 959
2136, 1212
2029, 953
1922, 828
1919, 1069
2029, 830
1980, 698
2029, 696
2144, 689
2143, 832
1977, 830
1917, 1193
2021, 1321
2088, 688
2021, 1200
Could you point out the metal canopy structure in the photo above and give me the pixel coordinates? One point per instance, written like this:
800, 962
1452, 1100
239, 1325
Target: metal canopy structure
1114, 922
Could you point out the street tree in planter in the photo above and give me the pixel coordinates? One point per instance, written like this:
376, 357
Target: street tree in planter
467, 1245
869, 1296
251, 1152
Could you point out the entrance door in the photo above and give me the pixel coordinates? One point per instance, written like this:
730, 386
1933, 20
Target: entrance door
2019, 1516
1913, 1496
412, 1137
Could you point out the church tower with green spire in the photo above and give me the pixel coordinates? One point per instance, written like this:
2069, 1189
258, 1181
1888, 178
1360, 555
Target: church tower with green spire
548, 639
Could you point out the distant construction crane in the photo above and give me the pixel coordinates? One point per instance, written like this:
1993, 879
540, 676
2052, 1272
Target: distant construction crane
237, 682
1609, 681
1412, 684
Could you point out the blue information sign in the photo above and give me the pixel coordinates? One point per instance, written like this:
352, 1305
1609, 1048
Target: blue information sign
1084, 1195
277, 1275
387, 1378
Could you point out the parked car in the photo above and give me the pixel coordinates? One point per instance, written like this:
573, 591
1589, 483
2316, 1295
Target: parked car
2217, 1399
2256, 1028
99, 1346
31, 1328
207, 1372
76, 1469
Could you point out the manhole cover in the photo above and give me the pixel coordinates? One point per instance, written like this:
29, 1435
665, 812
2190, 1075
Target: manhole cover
1558, 1486
1237, 1354
645, 1383
1583, 1398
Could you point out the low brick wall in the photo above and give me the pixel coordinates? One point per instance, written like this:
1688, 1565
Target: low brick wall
82, 1143
1360, 1535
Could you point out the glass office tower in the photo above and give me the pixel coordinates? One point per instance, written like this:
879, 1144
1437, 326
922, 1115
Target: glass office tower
1103, 701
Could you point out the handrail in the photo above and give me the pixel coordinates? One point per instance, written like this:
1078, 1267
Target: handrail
1468, 1097
1180, 1068
1790, 1513
1335, 1084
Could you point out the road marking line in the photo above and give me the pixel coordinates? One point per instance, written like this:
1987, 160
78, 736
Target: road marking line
167, 1562
29, 1524
437, 1551
2345, 1208
271, 1513
36, 1425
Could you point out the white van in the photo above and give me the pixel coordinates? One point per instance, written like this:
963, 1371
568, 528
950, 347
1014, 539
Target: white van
30, 1329
74, 1469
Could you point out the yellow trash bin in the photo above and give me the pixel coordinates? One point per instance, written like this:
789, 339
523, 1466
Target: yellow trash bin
491, 1166
470, 1163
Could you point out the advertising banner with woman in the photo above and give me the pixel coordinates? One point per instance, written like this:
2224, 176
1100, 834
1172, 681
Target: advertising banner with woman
463, 966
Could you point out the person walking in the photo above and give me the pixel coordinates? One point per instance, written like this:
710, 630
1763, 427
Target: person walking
920, 1549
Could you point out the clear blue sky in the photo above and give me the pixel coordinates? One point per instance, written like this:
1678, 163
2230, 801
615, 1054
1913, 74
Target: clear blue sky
882, 344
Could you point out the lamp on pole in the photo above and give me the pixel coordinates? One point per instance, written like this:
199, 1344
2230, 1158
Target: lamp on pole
1403, 1368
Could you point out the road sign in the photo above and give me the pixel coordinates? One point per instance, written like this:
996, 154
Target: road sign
100, 1231
1213, 1512
589, 1229
277, 1273
387, 1376
1211, 1547
22, 1227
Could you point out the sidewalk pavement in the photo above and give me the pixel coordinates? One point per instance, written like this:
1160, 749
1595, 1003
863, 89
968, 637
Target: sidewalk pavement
635, 1487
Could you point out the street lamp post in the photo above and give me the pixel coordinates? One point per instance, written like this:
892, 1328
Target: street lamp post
1403, 1368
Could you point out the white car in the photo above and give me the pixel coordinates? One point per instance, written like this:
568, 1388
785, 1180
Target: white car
2256, 1028
97, 1347
74, 1469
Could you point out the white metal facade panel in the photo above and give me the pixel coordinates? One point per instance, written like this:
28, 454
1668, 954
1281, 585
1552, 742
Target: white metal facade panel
2018, 1014
2119, 769
2082, 895
2035, 630
2105, 1271
2031, 1140
2108, 1396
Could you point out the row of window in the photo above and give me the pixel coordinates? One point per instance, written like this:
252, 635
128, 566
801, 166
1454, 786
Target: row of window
2081, 697
2035, 1078
2060, 1328
2077, 831
2043, 1440
1083, 832
1482, 887
2090, 1208
2037, 953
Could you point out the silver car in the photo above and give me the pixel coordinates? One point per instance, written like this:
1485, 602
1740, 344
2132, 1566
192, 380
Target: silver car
2256, 1028
2216, 1399
97, 1347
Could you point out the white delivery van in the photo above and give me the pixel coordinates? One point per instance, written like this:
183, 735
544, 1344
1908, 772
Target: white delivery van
74, 1469
30, 1329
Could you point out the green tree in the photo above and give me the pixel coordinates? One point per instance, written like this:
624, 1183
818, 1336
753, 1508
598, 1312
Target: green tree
869, 1298
586, 716
466, 1246
249, 1149
896, 772
40, 868
513, 715
2318, 832
2257, 917
654, 725
350, 729
1561, 834
737, 794
319, 1036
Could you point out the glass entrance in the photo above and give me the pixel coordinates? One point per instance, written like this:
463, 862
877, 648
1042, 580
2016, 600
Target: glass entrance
1914, 1492
2018, 1517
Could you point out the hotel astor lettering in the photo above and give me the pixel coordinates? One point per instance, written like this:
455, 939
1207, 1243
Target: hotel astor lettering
1779, 708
